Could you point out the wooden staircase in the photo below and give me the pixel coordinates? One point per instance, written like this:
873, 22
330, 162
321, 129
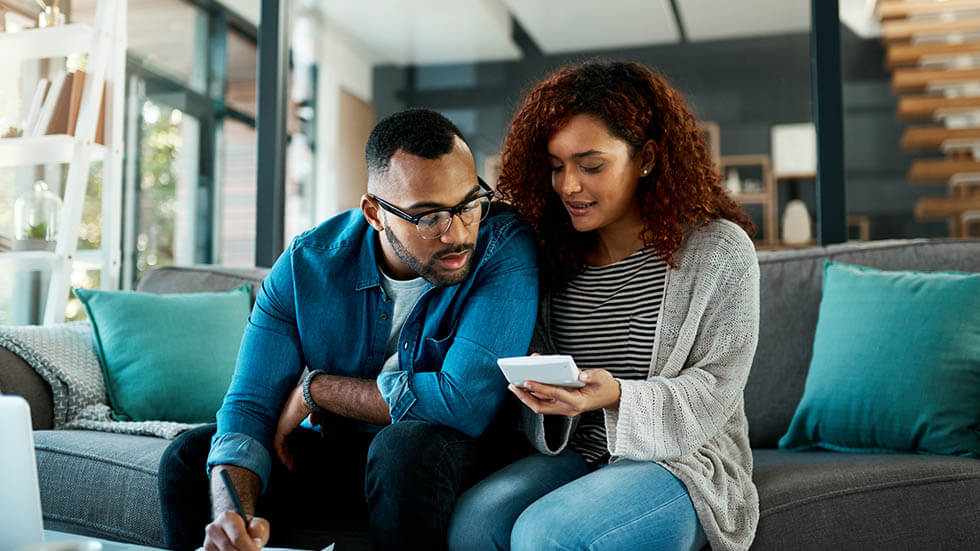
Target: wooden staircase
933, 48
938, 138
941, 171
902, 54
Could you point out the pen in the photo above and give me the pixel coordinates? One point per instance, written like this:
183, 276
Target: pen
233, 495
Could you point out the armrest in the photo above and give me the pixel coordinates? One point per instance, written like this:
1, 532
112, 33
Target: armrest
16, 377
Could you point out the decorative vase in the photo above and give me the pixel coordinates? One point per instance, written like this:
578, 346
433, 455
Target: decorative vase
796, 223
733, 182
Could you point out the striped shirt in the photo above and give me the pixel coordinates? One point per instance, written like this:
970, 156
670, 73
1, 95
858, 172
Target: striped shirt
606, 317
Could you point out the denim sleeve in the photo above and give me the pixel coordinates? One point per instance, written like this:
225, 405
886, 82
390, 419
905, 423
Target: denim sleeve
496, 322
270, 362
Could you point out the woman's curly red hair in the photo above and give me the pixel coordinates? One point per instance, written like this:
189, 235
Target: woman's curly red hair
682, 192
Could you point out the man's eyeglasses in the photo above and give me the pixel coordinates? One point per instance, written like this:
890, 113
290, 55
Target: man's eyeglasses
431, 224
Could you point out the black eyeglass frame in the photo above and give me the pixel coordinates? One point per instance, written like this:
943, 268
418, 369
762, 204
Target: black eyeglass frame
453, 211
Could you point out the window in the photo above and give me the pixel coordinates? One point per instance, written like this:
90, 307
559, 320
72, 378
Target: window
167, 36
236, 207
242, 67
167, 187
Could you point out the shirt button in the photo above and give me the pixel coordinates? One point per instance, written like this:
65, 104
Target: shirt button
384, 316
405, 346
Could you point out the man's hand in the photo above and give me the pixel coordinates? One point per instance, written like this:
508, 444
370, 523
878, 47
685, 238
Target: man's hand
227, 532
345, 396
291, 416
601, 390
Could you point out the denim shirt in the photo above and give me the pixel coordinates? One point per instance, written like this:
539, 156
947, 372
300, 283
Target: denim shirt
322, 306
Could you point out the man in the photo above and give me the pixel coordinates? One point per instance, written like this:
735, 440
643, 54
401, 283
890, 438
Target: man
399, 311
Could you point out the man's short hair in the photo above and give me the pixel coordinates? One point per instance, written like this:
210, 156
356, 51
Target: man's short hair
420, 132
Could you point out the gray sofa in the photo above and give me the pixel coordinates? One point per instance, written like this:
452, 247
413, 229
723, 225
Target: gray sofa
105, 484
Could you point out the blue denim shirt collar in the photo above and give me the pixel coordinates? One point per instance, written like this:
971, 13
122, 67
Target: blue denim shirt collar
367, 262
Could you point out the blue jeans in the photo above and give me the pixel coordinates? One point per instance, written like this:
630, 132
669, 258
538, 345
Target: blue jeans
542, 502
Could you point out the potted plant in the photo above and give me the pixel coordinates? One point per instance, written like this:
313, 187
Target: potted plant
36, 220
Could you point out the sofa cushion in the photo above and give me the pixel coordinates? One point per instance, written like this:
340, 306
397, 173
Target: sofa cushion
827, 500
101, 484
896, 364
790, 291
167, 357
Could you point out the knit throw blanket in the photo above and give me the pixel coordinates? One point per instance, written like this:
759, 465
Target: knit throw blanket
64, 355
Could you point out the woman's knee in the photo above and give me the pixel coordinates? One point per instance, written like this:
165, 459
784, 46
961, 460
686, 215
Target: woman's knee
485, 514
543, 526
619, 507
479, 522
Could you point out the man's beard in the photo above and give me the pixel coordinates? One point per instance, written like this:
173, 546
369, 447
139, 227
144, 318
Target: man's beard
429, 270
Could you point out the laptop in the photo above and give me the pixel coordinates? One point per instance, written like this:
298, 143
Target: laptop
20, 500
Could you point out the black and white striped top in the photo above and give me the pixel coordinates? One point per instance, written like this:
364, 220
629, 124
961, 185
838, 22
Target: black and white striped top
606, 317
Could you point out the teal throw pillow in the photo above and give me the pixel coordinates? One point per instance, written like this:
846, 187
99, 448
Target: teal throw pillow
167, 357
896, 364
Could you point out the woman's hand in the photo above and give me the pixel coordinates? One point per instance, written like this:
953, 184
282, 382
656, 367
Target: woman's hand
601, 390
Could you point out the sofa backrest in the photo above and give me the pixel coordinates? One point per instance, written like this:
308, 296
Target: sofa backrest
790, 291
201, 278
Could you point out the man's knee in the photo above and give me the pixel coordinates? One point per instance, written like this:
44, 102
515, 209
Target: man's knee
187, 454
410, 451
415, 441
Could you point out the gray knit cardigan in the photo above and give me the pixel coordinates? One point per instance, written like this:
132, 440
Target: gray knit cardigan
689, 415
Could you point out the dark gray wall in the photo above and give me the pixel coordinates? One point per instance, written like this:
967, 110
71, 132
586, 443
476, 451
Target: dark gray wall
744, 85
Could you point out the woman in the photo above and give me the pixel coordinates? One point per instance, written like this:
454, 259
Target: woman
650, 281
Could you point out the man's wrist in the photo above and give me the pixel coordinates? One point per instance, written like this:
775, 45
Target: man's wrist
308, 396
246, 483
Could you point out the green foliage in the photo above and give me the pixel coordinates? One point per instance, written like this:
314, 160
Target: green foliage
160, 148
37, 231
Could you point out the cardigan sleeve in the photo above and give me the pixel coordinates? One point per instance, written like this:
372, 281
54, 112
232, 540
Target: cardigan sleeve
548, 434
665, 418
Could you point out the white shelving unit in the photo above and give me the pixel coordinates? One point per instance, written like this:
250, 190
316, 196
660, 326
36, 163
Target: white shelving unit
49, 42
105, 44
45, 260
43, 150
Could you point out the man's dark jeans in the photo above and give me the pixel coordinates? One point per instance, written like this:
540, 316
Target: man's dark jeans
400, 484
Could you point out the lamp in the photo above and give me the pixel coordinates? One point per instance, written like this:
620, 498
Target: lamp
794, 150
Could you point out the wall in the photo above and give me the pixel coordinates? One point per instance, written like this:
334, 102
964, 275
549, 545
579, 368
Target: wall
343, 66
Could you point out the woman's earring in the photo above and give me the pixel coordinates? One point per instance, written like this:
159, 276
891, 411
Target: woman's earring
645, 172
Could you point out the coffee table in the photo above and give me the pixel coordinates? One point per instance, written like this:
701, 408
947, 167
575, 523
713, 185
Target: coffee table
52, 535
